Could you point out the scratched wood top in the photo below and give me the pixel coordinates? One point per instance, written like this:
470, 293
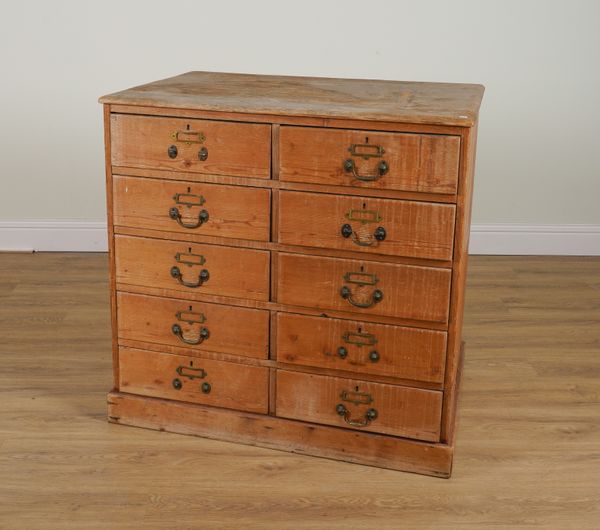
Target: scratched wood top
362, 99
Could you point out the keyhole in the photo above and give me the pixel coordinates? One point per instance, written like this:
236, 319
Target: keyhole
189, 189
191, 363
366, 139
362, 268
364, 205
190, 308
359, 329
356, 388
187, 127
189, 250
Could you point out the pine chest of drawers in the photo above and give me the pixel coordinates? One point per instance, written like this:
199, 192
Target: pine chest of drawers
288, 260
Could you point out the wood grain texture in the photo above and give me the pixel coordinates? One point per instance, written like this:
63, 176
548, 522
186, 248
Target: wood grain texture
111, 241
414, 229
419, 293
408, 102
406, 353
526, 447
232, 385
288, 119
459, 277
233, 330
277, 184
417, 162
233, 211
401, 411
234, 272
241, 149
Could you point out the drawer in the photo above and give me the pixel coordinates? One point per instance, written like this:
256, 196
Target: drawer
367, 287
362, 347
192, 208
199, 146
375, 407
192, 267
376, 160
208, 382
193, 325
374, 226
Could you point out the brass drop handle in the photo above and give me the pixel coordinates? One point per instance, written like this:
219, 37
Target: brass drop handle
343, 353
343, 411
202, 277
376, 297
379, 234
350, 167
175, 214
202, 336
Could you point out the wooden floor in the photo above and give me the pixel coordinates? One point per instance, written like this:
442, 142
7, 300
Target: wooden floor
528, 446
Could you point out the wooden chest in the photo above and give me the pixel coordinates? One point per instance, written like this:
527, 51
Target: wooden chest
288, 261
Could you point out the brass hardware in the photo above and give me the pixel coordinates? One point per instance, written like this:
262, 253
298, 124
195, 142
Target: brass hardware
350, 167
359, 339
202, 277
189, 259
356, 398
190, 317
346, 230
188, 200
203, 334
343, 411
368, 150
361, 278
376, 297
172, 151
190, 372
378, 235
363, 216
189, 137
203, 154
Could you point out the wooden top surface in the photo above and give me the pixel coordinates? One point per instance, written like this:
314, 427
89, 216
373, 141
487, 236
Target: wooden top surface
362, 99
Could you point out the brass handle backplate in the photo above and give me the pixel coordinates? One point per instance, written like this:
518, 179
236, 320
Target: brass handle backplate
361, 279
369, 416
366, 151
203, 334
356, 398
190, 260
191, 373
189, 200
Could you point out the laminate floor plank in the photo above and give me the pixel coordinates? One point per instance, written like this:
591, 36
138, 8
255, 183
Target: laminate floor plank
527, 449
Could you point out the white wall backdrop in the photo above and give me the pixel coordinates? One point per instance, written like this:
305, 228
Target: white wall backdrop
538, 168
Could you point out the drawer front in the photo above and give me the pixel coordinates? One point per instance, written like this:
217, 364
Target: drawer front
396, 161
192, 208
362, 347
208, 382
366, 287
198, 146
375, 407
375, 226
194, 325
192, 267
